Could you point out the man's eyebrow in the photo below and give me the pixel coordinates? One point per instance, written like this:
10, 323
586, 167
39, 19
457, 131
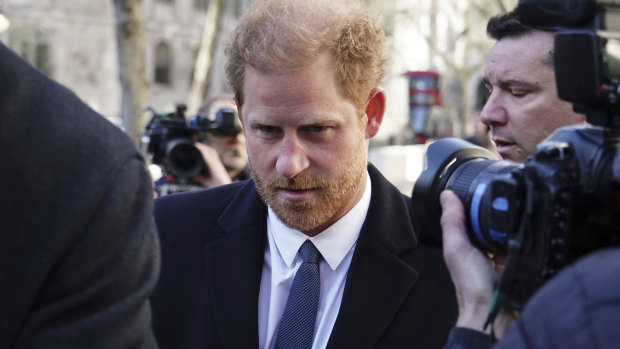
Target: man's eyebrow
515, 83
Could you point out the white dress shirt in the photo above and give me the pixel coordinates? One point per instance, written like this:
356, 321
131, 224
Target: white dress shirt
336, 245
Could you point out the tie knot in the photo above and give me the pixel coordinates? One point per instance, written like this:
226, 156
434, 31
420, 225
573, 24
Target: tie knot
309, 253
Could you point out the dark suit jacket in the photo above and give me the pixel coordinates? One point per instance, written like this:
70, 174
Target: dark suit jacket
398, 293
78, 247
578, 308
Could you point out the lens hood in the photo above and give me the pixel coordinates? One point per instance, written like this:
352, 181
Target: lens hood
443, 157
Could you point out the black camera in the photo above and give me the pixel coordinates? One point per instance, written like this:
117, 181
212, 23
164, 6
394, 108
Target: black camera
171, 144
564, 201
559, 205
226, 123
171, 137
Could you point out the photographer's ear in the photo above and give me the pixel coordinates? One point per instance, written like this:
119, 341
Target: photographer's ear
375, 109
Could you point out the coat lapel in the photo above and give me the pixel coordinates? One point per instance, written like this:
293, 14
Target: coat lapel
234, 268
378, 281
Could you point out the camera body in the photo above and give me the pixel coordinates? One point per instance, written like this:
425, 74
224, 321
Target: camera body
170, 140
225, 124
557, 206
564, 201
586, 50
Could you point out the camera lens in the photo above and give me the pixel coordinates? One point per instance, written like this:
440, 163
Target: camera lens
474, 174
183, 158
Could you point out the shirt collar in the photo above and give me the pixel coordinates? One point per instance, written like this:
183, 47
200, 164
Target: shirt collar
333, 243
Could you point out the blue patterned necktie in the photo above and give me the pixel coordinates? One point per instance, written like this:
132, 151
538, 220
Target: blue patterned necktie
297, 324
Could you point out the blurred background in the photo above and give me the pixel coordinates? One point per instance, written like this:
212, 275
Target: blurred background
123, 56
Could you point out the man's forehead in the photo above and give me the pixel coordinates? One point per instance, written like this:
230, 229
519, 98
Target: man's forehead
536, 44
515, 59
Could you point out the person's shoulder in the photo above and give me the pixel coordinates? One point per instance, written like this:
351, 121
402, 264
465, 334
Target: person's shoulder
599, 272
204, 214
595, 276
580, 305
55, 118
202, 200
381, 186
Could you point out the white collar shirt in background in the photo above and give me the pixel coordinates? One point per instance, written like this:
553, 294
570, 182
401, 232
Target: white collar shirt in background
336, 245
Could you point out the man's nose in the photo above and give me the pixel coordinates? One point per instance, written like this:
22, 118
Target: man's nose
494, 111
292, 157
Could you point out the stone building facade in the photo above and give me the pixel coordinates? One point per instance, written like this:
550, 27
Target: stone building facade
74, 42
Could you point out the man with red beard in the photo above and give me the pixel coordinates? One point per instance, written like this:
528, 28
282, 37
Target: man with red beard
306, 77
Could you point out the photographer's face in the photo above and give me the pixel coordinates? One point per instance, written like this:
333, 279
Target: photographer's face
307, 146
231, 150
523, 107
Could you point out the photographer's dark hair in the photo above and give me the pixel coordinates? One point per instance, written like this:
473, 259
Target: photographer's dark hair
508, 25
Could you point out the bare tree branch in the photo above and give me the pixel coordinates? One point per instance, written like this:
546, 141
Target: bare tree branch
130, 38
206, 53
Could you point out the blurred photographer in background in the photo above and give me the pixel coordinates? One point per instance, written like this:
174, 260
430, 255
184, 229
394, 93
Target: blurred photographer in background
223, 149
204, 152
523, 107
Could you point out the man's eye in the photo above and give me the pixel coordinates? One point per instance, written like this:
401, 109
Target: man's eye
268, 129
518, 93
316, 128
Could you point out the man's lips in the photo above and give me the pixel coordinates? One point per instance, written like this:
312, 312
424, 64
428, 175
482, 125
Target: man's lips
501, 142
295, 194
503, 145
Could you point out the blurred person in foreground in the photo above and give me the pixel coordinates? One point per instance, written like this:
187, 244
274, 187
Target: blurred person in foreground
78, 253
306, 77
523, 107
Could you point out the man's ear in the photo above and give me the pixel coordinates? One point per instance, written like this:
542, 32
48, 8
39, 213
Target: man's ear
374, 111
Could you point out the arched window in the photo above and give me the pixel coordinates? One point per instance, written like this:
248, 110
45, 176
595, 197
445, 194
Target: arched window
163, 64
32, 45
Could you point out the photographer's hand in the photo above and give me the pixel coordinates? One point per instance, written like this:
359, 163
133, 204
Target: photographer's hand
217, 172
472, 272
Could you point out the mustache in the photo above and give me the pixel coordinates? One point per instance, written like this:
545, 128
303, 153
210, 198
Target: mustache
302, 181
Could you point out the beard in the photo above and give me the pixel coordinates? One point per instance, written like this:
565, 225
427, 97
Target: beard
334, 193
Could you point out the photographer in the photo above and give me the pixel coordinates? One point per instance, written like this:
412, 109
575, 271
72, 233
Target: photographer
223, 151
206, 152
580, 306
